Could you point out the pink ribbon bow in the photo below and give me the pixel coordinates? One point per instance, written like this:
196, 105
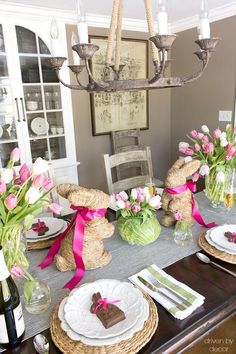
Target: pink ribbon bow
39, 226
195, 211
80, 217
102, 303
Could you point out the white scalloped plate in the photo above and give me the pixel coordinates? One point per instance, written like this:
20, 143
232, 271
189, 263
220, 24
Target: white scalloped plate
55, 226
217, 236
217, 246
82, 321
144, 313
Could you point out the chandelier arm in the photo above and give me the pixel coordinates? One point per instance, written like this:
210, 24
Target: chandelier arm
152, 32
161, 69
73, 87
111, 36
198, 74
94, 82
118, 36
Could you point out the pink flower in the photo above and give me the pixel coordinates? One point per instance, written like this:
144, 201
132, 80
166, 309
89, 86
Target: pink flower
216, 133
127, 204
183, 144
182, 150
55, 208
140, 198
24, 173
208, 148
3, 187
197, 147
189, 152
200, 136
195, 177
136, 208
48, 184
121, 196
17, 181
15, 155
205, 139
17, 271
230, 151
38, 181
194, 134
177, 215
11, 201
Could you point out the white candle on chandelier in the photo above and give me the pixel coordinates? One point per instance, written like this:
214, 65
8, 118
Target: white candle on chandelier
75, 40
82, 24
162, 21
55, 43
204, 23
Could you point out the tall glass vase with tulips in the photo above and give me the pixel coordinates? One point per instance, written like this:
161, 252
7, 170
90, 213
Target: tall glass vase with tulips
22, 196
217, 151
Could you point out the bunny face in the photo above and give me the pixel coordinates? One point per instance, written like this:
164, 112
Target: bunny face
178, 173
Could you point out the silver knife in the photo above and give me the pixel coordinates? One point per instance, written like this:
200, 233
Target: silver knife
179, 296
181, 307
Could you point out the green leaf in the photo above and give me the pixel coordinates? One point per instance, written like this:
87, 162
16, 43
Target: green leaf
29, 288
28, 221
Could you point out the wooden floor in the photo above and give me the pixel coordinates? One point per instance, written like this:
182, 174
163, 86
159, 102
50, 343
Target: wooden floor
220, 340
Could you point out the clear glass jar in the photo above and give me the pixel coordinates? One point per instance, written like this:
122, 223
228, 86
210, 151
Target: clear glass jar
37, 296
182, 234
230, 190
215, 190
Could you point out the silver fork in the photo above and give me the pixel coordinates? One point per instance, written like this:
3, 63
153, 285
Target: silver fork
158, 284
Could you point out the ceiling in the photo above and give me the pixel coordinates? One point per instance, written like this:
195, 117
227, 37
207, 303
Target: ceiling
178, 9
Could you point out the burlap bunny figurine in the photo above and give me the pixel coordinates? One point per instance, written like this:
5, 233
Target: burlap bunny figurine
94, 254
177, 176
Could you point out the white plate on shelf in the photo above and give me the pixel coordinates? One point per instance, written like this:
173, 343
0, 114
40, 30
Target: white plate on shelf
39, 126
83, 322
54, 225
217, 236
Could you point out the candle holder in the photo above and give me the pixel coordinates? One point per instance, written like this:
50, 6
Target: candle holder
76, 69
163, 41
117, 72
85, 51
207, 43
56, 62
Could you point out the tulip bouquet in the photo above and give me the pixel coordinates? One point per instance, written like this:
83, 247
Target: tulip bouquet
22, 196
217, 151
137, 222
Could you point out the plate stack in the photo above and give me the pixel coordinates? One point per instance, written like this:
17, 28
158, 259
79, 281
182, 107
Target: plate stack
74, 326
55, 228
215, 242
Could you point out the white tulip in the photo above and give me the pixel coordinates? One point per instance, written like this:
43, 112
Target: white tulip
220, 177
223, 143
155, 201
188, 159
7, 175
183, 145
205, 129
40, 166
120, 204
223, 136
134, 193
33, 195
204, 170
124, 195
147, 194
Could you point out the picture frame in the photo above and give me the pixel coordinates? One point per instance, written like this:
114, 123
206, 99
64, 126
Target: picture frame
113, 111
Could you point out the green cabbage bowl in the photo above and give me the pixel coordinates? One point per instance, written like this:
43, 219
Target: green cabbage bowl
136, 231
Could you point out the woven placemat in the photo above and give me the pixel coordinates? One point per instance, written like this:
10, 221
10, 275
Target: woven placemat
40, 244
129, 346
226, 257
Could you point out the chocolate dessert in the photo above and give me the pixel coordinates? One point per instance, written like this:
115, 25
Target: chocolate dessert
109, 316
231, 236
40, 230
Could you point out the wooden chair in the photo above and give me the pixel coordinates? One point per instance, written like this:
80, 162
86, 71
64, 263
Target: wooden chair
127, 157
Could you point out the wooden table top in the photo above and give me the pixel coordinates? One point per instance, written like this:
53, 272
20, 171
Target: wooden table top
218, 287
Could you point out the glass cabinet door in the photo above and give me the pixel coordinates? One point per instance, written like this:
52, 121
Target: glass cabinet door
8, 133
42, 98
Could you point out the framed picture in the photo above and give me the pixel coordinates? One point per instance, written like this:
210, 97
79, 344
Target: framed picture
112, 111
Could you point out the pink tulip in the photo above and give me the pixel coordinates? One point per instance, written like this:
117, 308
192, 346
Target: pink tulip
24, 173
208, 148
230, 151
38, 181
189, 152
55, 208
3, 187
17, 271
197, 147
194, 134
17, 181
195, 177
127, 204
216, 133
177, 215
11, 201
205, 139
140, 198
200, 136
182, 150
136, 208
48, 184
15, 155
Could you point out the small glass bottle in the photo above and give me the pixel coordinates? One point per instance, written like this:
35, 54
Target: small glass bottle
182, 234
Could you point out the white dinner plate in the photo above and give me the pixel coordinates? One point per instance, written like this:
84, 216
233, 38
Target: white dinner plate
82, 321
218, 237
39, 126
54, 227
220, 248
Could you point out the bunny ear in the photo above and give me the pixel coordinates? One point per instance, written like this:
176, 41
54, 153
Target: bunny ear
179, 163
190, 167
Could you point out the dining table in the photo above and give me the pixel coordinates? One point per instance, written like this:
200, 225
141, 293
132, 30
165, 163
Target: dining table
172, 335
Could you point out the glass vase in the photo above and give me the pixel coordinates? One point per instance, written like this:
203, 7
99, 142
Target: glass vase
230, 190
136, 231
215, 190
182, 234
37, 296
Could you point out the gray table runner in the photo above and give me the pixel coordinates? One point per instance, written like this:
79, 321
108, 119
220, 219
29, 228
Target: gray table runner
126, 260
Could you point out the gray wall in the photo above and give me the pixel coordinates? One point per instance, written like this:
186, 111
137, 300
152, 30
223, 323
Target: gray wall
90, 149
199, 102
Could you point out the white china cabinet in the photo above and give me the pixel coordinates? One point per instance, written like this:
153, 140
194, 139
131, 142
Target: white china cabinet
35, 109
